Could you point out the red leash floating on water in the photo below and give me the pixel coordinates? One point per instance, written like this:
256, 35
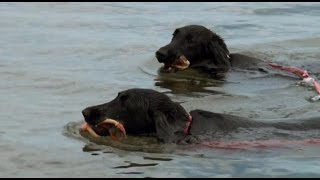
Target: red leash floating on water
299, 72
258, 143
306, 78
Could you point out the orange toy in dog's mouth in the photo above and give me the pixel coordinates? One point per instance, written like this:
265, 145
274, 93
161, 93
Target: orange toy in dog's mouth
115, 129
180, 63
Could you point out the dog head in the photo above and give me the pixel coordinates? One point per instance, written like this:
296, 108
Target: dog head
194, 46
139, 111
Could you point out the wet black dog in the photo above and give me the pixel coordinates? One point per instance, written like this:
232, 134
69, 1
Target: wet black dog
197, 47
143, 111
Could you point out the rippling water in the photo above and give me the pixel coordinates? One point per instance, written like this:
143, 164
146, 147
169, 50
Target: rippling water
58, 58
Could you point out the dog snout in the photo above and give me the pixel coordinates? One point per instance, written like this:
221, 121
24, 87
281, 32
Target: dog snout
162, 55
86, 113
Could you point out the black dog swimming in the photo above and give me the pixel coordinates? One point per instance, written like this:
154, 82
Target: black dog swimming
197, 47
202, 50
145, 111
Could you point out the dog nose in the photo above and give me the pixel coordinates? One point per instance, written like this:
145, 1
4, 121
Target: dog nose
86, 113
161, 55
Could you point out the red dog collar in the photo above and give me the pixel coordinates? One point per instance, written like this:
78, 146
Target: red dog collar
187, 125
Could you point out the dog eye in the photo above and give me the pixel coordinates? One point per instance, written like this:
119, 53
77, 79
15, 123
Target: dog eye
123, 98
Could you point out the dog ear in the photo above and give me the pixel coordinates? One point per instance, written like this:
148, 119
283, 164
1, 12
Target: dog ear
164, 130
170, 123
218, 50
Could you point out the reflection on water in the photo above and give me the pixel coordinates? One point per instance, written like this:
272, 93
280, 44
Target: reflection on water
158, 159
190, 84
130, 173
136, 165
